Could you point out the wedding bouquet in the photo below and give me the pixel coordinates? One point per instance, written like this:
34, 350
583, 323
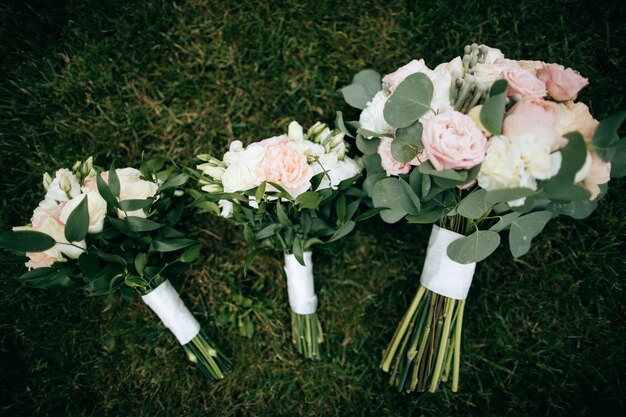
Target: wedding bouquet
478, 146
114, 230
290, 193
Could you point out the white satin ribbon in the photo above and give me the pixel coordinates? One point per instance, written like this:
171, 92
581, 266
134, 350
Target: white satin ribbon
300, 285
166, 303
441, 274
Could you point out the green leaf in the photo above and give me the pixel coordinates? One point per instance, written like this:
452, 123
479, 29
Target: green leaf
367, 146
389, 192
427, 168
190, 254
408, 143
139, 224
504, 221
141, 260
492, 113
605, 137
26, 241
410, 202
573, 155
250, 258
410, 101
341, 125
114, 181
77, 223
342, 231
618, 163
133, 204
88, 263
282, 215
508, 194
106, 193
370, 80
524, 229
309, 200
475, 205
46, 278
473, 248
368, 214
170, 245
268, 231
341, 208
297, 250
579, 209
260, 192
116, 259
356, 96
174, 181
425, 218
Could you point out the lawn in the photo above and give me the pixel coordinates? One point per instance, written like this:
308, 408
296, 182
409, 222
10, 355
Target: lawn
544, 334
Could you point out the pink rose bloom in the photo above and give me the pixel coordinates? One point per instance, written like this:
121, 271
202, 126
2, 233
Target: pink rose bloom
391, 81
43, 259
532, 66
390, 165
599, 173
284, 165
563, 84
524, 83
536, 116
453, 141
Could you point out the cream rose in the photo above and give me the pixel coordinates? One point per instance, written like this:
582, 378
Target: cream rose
96, 205
599, 173
576, 117
393, 80
284, 165
242, 172
453, 141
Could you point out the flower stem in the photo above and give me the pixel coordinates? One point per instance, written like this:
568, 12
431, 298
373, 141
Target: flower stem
208, 359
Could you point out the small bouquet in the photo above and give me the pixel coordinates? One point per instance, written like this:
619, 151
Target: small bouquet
114, 230
479, 145
290, 193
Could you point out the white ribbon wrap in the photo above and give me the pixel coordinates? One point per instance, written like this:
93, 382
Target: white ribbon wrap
166, 303
441, 274
300, 285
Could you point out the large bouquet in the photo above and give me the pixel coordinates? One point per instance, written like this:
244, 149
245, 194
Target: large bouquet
290, 193
114, 230
478, 146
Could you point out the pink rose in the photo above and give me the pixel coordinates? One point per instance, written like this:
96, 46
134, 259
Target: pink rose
391, 81
43, 259
535, 116
563, 84
390, 165
524, 83
532, 66
453, 141
599, 173
284, 165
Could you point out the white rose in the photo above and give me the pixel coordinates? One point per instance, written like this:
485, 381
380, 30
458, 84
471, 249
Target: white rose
372, 117
96, 205
226, 207
64, 186
442, 81
133, 187
243, 172
391, 81
46, 219
347, 168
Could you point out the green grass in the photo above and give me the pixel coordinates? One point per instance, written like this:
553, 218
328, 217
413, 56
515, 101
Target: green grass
544, 335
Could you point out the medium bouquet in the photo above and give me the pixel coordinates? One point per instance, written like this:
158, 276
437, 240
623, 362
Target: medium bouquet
114, 230
477, 146
290, 193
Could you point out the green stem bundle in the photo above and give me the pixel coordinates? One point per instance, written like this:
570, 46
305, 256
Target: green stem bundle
427, 344
208, 359
307, 334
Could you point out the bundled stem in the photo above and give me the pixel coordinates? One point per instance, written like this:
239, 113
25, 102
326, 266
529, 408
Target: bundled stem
208, 359
307, 334
426, 344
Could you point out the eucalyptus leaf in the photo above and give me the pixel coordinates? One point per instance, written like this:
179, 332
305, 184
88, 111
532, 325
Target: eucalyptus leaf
618, 163
367, 146
504, 221
507, 194
605, 137
356, 96
408, 143
341, 125
370, 80
427, 168
410, 101
473, 248
428, 217
573, 156
475, 205
524, 229
492, 113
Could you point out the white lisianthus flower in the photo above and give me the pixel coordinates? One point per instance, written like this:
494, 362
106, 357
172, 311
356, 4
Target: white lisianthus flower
242, 172
226, 207
64, 186
517, 161
372, 117
344, 169
295, 131
96, 205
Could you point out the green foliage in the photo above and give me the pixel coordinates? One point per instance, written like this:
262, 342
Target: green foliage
410, 101
365, 85
492, 113
26, 241
475, 247
78, 222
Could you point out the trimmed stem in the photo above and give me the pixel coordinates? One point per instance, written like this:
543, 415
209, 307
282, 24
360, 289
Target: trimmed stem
457, 348
208, 359
307, 334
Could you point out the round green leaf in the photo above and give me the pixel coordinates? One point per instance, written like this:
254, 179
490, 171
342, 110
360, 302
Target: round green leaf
524, 229
410, 101
474, 248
